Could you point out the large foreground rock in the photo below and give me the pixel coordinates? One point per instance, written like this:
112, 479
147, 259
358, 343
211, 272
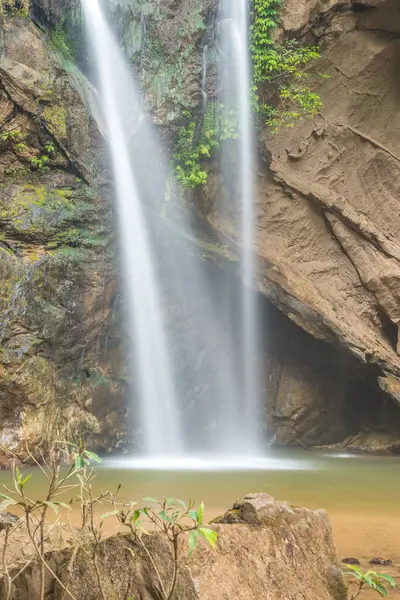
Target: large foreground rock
266, 549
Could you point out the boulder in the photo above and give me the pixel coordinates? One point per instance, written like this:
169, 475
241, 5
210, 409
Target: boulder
265, 549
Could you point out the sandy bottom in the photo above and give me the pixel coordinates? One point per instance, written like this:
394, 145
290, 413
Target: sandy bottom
363, 536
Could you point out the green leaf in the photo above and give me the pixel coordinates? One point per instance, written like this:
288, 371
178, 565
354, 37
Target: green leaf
164, 516
209, 535
93, 456
6, 503
111, 513
194, 515
192, 541
150, 500
79, 464
356, 570
18, 474
136, 515
52, 505
24, 481
5, 496
201, 513
388, 578
169, 501
182, 503
64, 505
380, 589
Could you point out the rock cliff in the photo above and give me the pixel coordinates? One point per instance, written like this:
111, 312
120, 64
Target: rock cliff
327, 228
58, 278
327, 198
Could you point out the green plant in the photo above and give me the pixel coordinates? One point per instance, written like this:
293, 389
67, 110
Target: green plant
68, 44
50, 148
35, 511
19, 8
369, 579
21, 147
173, 519
196, 144
40, 162
11, 136
280, 88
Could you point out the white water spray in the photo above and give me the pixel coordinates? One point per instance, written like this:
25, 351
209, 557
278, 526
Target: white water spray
236, 83
207, 417
159, 415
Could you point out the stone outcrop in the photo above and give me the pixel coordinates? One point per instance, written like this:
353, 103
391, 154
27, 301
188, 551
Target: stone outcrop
265, 549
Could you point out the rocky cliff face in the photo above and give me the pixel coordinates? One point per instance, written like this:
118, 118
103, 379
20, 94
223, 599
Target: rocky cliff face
327, 198
58, 277
328, 223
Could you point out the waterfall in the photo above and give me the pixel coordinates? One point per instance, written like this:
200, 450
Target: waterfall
235, 94
198, 401
159, 414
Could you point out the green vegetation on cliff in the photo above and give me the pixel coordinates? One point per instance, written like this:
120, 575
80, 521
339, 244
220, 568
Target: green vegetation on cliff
192, 146
281, 87
67, 37
195, 144
280, 91
16, 7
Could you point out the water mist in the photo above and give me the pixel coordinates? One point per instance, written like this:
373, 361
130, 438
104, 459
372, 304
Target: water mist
235, 80
120, 102
205, 415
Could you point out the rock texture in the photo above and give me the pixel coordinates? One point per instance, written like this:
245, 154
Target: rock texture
57, 268
328, 224
265, 549
327, 227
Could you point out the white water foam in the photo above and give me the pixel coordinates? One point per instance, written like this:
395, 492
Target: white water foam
210, 463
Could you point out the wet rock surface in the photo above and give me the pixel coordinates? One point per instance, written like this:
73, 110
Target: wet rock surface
57, 266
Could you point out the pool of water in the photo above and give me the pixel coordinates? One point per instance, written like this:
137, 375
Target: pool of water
360, 493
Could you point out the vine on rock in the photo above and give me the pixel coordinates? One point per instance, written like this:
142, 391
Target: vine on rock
280, 89
280, 93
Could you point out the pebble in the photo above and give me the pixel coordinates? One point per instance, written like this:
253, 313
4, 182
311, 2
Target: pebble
377, 560
351, 561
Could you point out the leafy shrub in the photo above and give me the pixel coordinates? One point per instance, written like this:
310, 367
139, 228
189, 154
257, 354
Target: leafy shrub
281, 88
194, 144
172, 518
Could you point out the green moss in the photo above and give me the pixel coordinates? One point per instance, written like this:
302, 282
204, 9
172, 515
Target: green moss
67, 37
56, 117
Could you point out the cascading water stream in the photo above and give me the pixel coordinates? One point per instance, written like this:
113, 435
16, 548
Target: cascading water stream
195, 407
159, 415
235, 92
